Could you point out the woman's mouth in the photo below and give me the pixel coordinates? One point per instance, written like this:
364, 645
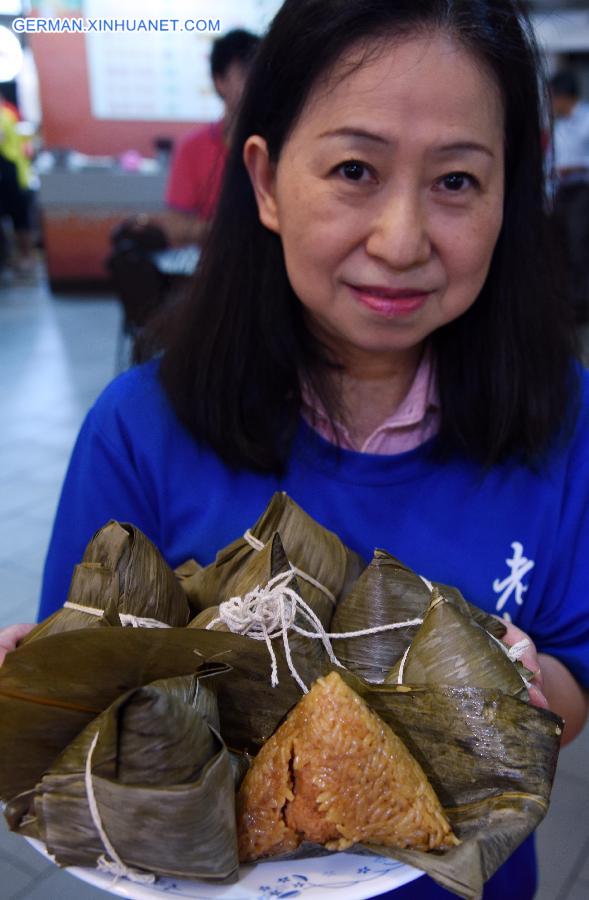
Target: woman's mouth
387, 302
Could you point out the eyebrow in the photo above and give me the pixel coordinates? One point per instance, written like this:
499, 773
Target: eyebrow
465, 146
456, 147
357, 133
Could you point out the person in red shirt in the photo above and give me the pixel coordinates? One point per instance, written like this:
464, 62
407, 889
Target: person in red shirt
199, 160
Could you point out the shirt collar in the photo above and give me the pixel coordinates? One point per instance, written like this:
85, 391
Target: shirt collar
421, 399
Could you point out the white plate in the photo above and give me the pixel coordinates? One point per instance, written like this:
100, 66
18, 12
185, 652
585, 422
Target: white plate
342, 876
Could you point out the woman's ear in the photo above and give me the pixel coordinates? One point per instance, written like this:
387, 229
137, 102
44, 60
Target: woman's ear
262, 176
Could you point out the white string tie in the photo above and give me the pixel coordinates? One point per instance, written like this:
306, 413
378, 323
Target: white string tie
127, 619
269, 612
430, 587
427, 583
402, 665
115, 865
253, 541
515, 653
259, 545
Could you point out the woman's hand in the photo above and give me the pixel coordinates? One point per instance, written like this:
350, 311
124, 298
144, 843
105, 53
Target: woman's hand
530, 660
553, 687
9, 638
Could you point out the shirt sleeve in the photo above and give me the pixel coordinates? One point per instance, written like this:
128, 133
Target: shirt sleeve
102, 483
561, 624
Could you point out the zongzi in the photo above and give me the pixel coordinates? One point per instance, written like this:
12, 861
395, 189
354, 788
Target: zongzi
336, 774
161, 781
309, 546
450, 648
259, 571
52, 688
121, 579
389, 592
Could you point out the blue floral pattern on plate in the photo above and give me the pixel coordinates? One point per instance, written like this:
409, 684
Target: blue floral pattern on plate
345, 876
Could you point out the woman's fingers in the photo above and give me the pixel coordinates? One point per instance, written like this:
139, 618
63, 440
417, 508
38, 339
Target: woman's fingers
530, 660
9, 637
537, 698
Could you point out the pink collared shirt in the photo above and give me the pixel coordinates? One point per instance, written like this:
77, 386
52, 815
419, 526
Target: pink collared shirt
415, 421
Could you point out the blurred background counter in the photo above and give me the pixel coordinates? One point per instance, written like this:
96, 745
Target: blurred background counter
80, 206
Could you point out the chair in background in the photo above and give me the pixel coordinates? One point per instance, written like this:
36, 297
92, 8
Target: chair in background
147, 275
139, 284
570, 220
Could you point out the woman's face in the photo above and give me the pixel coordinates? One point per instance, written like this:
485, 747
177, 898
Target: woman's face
388, 195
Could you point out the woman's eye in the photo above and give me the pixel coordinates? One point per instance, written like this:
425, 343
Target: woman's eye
353, 170
458, 182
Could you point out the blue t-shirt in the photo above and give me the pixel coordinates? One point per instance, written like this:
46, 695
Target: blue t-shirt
514, 541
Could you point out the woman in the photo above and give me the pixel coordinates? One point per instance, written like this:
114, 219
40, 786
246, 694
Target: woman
375, 331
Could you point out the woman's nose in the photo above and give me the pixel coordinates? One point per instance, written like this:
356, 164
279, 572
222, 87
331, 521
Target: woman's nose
398, 233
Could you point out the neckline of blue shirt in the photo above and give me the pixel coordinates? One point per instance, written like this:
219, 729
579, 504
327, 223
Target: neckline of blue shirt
354, 467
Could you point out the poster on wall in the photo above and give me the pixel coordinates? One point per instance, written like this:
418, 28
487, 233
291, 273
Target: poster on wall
149, 59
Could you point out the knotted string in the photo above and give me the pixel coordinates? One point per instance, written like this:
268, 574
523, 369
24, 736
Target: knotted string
266, 613
127, 619
115, 865
259, 545
269, 612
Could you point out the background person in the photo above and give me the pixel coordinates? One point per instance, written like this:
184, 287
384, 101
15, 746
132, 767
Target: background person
198, 163
367, 272
571, 127
15, 196
570, 157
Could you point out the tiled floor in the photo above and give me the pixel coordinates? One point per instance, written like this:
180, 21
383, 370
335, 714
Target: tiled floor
56, 354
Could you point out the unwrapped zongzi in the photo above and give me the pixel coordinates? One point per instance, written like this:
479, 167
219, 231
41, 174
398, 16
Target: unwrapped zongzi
335, 774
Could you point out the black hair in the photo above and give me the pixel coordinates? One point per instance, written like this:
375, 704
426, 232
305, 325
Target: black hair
235, 46
565, 84
235, 352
